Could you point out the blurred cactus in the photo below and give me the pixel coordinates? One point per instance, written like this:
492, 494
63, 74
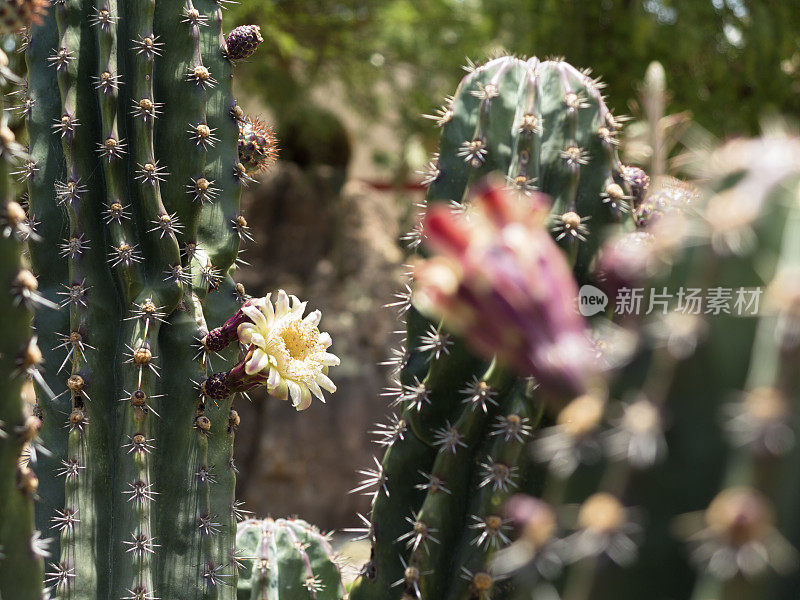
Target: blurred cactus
284, 559
19, 14
21, 548
650, 140
134, 179
455, 452
692, 464
668, 470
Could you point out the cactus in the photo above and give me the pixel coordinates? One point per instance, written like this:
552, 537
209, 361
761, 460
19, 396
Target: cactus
134, 176
665, 460
696, 504
286, 558
21, 547
455, 452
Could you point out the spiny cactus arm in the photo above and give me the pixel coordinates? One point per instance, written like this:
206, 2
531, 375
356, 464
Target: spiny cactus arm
86, 534
21, 565
772, 377
224, 422
393, 502
439, 398
467, 120
221, 244
53, 327
158, 227
431, 403
196, 76
126, 254
544, 126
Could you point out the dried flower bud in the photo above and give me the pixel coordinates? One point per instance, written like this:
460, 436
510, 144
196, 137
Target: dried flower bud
243, 41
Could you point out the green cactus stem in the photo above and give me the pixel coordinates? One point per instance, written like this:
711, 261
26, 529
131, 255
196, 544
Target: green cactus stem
135, 176
21, 547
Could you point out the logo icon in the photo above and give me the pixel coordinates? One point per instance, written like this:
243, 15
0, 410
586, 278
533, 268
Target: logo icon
591, 300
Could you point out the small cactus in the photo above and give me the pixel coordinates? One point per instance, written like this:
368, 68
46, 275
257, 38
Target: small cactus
284, 559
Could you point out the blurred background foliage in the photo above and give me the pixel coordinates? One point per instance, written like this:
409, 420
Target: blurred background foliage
728, 62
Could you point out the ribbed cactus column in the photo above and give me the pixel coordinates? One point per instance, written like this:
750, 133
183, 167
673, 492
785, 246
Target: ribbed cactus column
21, 547
455, 451
138, 193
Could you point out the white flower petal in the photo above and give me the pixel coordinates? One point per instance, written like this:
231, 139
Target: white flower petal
314, 388
245, 331
255, 315
305, 399
325, 339
298, 308
281, 392
281, 305
257, 339
274, 379
330, 360
294, 391
257, 362
325, 383
268, 310
313, 318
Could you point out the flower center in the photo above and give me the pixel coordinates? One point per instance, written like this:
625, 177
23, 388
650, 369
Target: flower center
296, 339
295, 344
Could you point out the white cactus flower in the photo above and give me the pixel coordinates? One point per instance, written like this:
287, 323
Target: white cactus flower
288, 348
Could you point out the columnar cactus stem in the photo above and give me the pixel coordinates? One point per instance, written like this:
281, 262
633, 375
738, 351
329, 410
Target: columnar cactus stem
21, 548
545, 127
140, 489
54, 331
89, 296
139, 193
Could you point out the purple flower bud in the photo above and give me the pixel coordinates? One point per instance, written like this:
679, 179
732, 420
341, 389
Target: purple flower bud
501, 282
